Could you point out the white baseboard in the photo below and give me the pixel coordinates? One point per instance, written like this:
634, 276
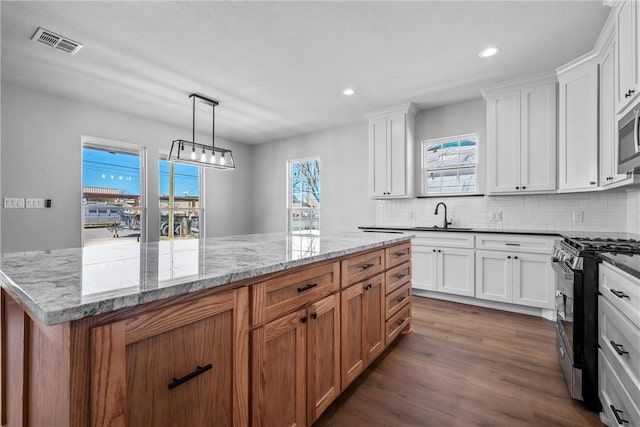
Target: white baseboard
514, 308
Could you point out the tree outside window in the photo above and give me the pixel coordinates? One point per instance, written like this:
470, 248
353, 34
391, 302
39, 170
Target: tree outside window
303, 213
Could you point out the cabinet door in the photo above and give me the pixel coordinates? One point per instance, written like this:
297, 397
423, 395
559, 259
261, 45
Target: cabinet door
353, 340
374, 316
503, 136
323, 355
627, 71
533, 280
538, 138
279, 372
608, 128
397, 155
182, 365
493, 276
456, 271
578, 128
424, 266
378, 157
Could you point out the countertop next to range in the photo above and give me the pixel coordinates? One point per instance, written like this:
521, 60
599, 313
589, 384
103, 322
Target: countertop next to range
63, 285
629, 263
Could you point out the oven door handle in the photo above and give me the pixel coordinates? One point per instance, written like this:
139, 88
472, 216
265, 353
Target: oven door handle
562, 269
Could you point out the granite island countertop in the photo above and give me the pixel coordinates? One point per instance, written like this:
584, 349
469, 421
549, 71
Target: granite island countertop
59, 286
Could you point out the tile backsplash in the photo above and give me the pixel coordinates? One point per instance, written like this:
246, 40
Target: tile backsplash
611, 211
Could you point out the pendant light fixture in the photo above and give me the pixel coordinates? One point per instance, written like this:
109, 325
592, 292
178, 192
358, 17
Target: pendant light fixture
200, 154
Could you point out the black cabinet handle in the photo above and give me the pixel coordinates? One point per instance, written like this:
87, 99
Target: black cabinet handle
619, 348
306, 288
592, 183
517, 188
512, 244
303, 319
314, 315
619, 294
367, 266
400, 299
401, 321
629, 93
523, 187
508, 256
439, 250
199, 370
399, 275
618, 417
515, 257
368, 286
434, 250
400, 253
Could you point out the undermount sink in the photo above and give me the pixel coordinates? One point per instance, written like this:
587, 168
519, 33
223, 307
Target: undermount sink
436, 228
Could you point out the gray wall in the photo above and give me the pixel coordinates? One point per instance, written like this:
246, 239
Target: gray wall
451, 120
345, 202
41, 155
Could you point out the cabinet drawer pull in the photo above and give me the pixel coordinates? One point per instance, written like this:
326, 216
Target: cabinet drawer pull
400, 253
592, 183
619, 294
303, 319
512, 244
368, 286
618, 417
399, 275
306, 288
314, 316
619, 348
401, 321
367, 266
400, 299
199, 370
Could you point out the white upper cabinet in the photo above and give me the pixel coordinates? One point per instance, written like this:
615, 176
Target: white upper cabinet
391, 148
521, 136
578, 124
627, 17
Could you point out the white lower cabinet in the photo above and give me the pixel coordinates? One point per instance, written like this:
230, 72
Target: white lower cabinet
448, 270
518, 278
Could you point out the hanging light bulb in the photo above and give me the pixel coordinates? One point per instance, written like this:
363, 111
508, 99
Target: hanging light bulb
213, 157
222, 159
193, 152
203, 157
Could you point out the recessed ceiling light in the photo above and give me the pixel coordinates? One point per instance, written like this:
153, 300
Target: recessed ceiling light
490, 51
349, 92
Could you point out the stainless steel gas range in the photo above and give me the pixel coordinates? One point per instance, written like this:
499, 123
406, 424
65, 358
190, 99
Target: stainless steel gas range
575, 260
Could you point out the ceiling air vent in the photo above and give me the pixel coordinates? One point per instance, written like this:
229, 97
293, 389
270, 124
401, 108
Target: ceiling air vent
56, 41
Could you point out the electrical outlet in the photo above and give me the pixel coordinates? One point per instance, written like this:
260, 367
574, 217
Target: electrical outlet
578, 216
13, 203
34, 203
410, 216
496, 216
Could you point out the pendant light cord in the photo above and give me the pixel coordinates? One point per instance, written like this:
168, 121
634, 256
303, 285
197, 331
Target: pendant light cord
193, 123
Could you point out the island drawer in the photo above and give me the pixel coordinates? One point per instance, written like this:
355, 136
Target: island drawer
397, 299
397, 254
280, 295
398, 276
397, 323
361, 267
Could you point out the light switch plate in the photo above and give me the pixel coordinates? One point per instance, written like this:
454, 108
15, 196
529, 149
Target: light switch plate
578, 216
496, 216
13, 203
34, 203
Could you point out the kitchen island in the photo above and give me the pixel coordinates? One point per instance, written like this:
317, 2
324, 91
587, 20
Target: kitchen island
197, 331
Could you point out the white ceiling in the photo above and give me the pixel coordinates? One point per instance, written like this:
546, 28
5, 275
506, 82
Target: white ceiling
279, 68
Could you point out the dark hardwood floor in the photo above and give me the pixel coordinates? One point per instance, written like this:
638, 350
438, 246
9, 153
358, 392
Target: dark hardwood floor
463, 366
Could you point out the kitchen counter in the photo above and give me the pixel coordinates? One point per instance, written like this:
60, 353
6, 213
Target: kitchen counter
63, 285
628, 263
463, 230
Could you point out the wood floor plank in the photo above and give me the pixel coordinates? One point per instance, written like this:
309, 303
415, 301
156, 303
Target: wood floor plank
463, 366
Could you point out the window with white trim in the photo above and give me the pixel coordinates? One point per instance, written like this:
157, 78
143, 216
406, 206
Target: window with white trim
303, 196
450, 165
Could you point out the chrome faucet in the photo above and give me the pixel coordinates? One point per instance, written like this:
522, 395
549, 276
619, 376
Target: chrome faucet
446, 223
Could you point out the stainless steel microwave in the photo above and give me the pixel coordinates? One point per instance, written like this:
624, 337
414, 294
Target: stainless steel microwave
628, 141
